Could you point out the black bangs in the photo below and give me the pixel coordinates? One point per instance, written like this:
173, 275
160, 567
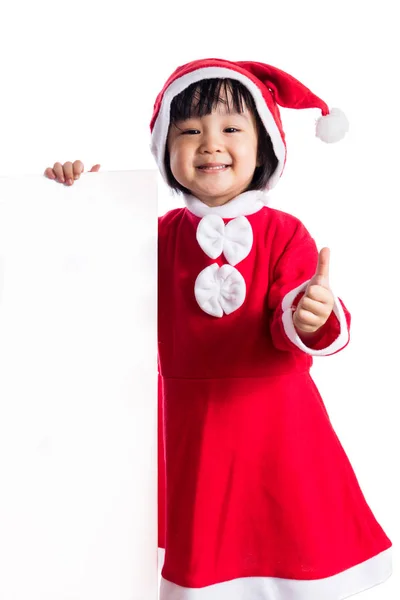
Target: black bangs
202, 97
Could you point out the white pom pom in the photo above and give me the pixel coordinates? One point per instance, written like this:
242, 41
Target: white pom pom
333, 127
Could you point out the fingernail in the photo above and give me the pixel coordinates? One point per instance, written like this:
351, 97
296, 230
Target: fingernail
76, 176
69, 181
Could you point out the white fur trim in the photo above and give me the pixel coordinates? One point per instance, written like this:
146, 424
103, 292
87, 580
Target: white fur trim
333, 127
287, 318
220, 290
247, 203
161, 126
367, 574
235, 239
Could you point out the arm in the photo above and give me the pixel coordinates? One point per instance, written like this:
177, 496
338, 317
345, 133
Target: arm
293, 273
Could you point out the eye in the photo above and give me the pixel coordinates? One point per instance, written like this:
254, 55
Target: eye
190, 132
231, 129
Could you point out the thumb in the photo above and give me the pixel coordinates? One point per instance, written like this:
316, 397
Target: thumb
321, 276
94, 169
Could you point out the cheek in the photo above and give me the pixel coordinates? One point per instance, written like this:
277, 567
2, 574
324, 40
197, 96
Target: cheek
178, 162
247, 155
180, 158
174, 159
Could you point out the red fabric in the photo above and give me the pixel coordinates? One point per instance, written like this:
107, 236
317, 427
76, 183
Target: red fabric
258, 483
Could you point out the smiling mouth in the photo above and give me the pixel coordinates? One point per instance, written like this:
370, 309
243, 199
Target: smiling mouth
213, 167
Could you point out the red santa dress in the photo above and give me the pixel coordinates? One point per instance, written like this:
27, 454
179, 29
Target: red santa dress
261, 502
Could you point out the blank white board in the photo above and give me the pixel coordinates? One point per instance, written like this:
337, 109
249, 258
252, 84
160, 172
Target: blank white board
78, 387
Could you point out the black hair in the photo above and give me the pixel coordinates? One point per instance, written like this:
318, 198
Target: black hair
199, 99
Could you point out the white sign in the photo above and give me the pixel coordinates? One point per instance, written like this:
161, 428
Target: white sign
78, 388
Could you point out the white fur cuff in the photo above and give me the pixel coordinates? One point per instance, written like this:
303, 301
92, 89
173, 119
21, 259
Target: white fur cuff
287, 318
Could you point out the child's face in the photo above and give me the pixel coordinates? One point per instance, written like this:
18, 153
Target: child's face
226, 140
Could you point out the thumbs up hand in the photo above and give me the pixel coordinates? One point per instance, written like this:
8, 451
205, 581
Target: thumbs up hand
316, 305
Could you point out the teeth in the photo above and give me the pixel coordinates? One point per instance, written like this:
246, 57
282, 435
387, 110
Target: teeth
214, 168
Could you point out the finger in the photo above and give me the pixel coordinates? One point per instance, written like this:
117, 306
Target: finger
68, 173
94, 169
59, 172
320, 309
306, 328
78, 169
323, 264
318, 292
49, 172
304, 319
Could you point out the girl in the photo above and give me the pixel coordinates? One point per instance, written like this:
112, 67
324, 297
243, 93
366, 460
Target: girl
261, 500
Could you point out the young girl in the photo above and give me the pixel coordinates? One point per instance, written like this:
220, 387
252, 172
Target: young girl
261, 500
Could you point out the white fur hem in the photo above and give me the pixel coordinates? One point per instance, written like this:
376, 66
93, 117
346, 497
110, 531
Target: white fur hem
337, 587
287, 318
245, 204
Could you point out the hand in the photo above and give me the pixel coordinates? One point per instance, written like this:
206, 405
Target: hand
316, 305
69, 172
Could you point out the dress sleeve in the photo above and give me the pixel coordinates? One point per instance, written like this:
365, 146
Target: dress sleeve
292, 272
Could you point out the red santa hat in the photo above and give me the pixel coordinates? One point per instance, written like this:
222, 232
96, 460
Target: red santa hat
269, 87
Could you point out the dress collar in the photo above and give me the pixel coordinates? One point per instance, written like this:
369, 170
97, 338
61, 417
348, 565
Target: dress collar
245, 204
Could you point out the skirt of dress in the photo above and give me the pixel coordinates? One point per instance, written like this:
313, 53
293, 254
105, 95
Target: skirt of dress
261, 500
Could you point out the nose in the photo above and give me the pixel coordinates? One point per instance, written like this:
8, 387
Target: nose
211, 142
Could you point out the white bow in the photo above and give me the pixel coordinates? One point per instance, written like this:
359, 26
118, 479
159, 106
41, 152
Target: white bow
235, 239
220, 290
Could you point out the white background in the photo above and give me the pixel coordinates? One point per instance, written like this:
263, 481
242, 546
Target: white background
79, 80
